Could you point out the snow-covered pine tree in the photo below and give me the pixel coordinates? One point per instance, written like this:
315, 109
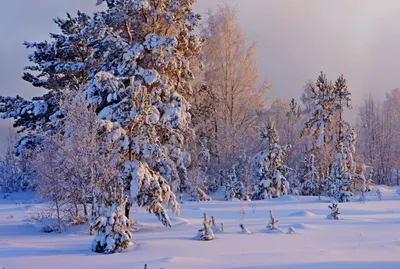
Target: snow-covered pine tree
311, 181
341, 179
112, 230
344, 168
320, 127
135, 70
335, 212
270, 170
342, 100
143, 79
322, 93
234, 188
330, 101
59, 66
150, 190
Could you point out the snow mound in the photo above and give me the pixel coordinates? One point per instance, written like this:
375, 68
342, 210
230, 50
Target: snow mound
303, 226
303, 213
286, 198
398, 191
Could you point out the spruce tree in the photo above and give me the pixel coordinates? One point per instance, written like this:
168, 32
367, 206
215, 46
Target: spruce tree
334, 212
341, 179
311, 180
270, 170
234, 188
112, 230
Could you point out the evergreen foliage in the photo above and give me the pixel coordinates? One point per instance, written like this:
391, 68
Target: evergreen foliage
270, 170
112, 230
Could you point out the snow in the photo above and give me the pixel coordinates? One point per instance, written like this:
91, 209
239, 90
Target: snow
303, 213
303, 226
287, 198
368, 237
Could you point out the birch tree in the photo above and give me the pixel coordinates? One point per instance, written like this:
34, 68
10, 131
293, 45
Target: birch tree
232, 76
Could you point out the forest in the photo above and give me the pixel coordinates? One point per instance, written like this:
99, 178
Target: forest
149, 104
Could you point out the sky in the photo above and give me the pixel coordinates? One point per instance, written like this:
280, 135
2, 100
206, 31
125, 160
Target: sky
297, 39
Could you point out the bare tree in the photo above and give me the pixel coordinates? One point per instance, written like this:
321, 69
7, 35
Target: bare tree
71, 168
379, 126
233, 78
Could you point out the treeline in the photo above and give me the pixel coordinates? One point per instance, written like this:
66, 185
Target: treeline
141, 105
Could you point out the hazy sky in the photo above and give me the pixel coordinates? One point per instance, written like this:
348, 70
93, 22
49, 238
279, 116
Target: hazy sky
296, 40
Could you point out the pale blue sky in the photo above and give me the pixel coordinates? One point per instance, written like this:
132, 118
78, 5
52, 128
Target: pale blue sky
297, 39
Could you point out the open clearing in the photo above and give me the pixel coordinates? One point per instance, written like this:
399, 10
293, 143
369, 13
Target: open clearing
368, 236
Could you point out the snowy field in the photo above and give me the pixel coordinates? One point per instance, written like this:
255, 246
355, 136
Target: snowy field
367, 237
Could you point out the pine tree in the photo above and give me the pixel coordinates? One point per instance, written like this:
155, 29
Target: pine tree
341, 179
320, 125
342, 100
150, 190
270, 170
330, 102
335, 212
311, 180
234, 188
59, 66
135, 69
112, 230
155, 52
321, 117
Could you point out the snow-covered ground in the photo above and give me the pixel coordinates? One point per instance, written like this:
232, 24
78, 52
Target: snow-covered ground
367, 237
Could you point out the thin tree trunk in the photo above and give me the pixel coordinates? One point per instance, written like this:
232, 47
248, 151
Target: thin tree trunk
58, 217
85, 208
128, 209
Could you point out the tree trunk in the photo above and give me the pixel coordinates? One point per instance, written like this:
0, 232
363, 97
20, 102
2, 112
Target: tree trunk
128, 209
85, 208
58, 217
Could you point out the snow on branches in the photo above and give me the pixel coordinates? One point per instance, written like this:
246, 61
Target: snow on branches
149, 189
269, 166
112, 230
133, 66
